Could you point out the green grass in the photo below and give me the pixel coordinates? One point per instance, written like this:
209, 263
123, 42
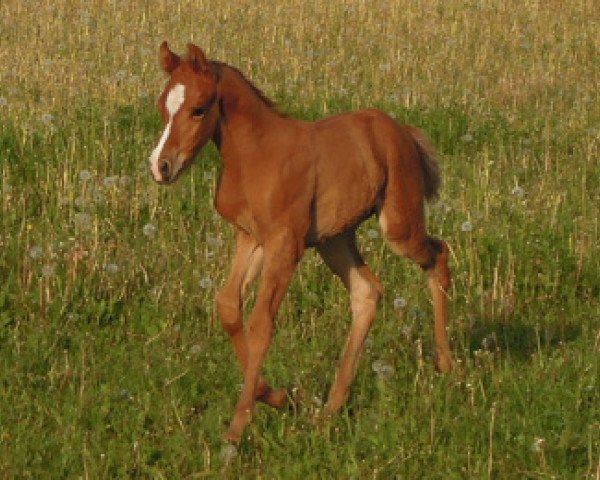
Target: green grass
113, 363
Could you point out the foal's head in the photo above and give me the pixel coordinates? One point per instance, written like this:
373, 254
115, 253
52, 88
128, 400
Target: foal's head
189, 109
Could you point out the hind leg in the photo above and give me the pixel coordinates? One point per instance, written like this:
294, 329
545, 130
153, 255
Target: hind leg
406, 236
342, 257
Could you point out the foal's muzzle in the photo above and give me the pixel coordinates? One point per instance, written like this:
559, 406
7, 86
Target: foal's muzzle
165, 169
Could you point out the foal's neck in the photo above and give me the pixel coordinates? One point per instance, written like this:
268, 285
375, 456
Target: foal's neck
246, 115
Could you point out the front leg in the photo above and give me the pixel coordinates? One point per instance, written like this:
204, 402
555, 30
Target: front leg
281, 255
245, 267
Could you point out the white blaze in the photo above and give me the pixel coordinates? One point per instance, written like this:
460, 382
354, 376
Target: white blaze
173, 103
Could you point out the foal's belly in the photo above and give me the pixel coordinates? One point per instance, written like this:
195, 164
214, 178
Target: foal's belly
344, 198
337, 211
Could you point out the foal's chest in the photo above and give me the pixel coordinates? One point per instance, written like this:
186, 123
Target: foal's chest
231, 203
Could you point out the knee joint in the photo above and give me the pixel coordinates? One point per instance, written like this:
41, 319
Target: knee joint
364, 296
229, 309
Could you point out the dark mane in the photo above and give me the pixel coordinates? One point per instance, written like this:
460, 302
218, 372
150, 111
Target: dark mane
257, 91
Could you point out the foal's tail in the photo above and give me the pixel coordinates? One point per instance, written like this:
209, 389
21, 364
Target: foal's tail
429, 163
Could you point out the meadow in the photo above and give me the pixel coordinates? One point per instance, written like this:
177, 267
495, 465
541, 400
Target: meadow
113, 363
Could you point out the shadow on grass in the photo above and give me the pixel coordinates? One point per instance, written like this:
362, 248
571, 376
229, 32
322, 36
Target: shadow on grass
520, 340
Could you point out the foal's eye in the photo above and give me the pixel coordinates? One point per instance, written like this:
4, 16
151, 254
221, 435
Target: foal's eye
198, 112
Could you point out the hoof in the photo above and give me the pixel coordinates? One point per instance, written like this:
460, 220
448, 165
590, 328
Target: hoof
241, 418
232, 437
274, 397
443, 364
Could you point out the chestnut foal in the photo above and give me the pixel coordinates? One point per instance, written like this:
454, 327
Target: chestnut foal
287, 185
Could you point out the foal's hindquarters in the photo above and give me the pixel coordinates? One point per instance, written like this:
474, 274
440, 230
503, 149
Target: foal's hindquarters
411, 176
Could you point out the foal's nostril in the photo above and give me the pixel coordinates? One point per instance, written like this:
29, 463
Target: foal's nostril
164, 168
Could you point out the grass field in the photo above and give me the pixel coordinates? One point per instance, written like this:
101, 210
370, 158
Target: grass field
113, 363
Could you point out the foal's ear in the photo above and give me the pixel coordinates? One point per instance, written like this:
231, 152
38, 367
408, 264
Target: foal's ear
168, 60
196, 57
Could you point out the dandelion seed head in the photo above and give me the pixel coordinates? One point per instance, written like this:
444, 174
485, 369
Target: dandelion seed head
467, 138
214, 240
111, 268
120, 75
466, 226
208, 175
46, 118
406, 331
80, 202
517, 192
149, 230
82, 221
125, 181
206, 283
399, 302
35, 252
97, 196
444, 207
156, 291
228, 453
195, 349
372, 234
538, 444
382, 369
110, 181
416, 313
85, 175
126, 395
48, 271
